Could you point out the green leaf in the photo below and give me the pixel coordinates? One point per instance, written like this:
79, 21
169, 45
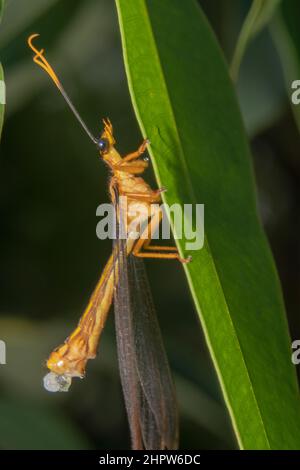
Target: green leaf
286, 35
185, 104
1, 9
265, 11
258, 17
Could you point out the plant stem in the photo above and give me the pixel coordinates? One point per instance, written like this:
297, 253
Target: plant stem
244, 38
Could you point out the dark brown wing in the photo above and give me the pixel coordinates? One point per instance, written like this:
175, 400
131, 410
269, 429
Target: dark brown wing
146, 379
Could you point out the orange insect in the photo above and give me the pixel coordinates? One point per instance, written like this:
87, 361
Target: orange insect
147, 385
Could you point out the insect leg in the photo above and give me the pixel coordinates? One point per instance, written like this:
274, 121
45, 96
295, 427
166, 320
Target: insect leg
137, 153
144, 241
131, 167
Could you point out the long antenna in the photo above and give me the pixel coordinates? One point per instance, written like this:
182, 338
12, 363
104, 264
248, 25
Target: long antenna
42, 62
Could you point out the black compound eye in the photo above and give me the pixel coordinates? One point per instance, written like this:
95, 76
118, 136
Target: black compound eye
103, 145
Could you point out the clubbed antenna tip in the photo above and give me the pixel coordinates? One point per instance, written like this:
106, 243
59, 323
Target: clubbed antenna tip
42, 62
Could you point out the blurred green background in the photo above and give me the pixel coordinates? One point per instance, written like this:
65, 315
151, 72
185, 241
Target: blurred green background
51, 184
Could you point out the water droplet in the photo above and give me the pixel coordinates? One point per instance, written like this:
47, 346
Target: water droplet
57, 383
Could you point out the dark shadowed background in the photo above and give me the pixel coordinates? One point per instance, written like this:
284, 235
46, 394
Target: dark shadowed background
51, 184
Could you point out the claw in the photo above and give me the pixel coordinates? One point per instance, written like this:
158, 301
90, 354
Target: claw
162, 190
186, 260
